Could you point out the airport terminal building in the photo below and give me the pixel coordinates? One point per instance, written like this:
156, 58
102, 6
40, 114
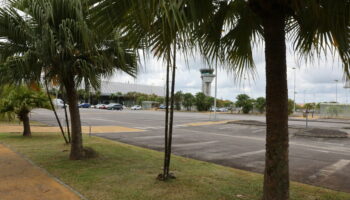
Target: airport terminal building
116, 92
108, 88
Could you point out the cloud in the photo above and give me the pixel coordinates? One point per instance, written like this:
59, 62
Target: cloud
314, 81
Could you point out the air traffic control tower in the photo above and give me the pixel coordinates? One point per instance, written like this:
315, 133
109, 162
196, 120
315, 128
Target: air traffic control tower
207, 76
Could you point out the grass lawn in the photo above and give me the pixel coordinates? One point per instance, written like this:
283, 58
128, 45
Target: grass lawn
17, 122
127, 172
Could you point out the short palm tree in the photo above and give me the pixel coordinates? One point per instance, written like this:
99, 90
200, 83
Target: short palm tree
54, 37
21, 100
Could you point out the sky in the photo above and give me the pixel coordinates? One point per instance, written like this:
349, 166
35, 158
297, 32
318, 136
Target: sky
315, 82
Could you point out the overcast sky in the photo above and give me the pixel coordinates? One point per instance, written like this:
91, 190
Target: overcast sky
314, 82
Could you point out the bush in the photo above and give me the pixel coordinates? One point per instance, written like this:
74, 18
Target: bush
244, 102
203, 102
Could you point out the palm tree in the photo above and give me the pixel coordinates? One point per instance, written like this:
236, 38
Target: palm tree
55, 38
150, 25
21, 100
228, 30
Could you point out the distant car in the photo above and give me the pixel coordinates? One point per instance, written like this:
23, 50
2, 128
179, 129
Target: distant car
101, 106
162, 107
58, 103
223, 110
136, 107
115, 106
84, 105
213, 109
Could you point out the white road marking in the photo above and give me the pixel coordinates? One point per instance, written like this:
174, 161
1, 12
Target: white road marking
227, 127
153, 136
107, 120
150, 137
247, 154
194, 144
188, 144
258, 130
311, 147
325, 172
149, 127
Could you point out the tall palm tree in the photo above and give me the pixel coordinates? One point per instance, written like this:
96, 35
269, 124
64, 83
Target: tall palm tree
229, 30
54, 37
149, 25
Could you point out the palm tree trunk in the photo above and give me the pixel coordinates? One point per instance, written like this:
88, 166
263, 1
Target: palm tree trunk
171, 109
77, 152
276, 179
55, 113
165, 170
26, 124
67, 121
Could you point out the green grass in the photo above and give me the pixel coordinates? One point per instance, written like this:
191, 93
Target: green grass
15, 121
128, 172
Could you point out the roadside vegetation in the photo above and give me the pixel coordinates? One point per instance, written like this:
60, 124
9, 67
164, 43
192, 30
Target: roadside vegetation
127, 172
18, 101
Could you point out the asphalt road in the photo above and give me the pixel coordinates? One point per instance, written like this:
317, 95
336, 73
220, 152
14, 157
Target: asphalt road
317, 161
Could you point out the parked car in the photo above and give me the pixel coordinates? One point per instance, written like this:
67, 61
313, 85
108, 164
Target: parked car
84, 105
115, 106
136, 107
223, 110
101, 106
58, 103
213, 109
162, 106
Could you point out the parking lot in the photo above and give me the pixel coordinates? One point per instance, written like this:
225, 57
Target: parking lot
318, 161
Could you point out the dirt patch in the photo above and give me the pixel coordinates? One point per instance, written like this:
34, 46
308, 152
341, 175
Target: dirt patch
322, 133
19, 179
206, 123
248, 122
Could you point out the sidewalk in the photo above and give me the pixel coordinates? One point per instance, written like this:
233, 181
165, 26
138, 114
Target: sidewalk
20, 179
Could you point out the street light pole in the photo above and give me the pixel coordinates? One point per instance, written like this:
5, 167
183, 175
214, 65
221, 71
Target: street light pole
216, 89
336, 90
294, 86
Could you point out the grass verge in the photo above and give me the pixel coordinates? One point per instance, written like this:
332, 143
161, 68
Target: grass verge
126, 172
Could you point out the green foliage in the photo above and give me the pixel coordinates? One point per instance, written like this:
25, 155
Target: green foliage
21, 100
203, 102
188, 101
223, 103
54, 37
290, 106
310, 106
244, 102
178, 98
260, 104
139, 97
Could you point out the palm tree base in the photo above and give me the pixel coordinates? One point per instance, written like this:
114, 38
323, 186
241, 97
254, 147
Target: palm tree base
164, 177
